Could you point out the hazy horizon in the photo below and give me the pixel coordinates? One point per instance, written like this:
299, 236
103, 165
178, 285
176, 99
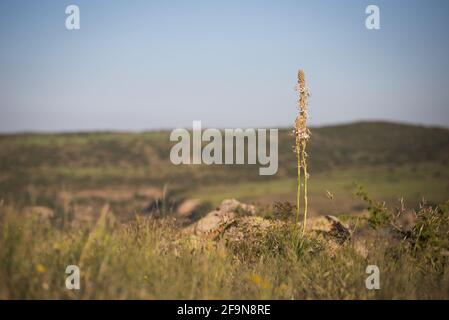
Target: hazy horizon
189, 127
153, 65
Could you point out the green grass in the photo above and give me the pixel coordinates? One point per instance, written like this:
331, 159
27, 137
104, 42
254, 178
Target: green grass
413, 183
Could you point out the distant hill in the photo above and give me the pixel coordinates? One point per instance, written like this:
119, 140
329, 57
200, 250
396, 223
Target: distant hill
99, 159
377, 143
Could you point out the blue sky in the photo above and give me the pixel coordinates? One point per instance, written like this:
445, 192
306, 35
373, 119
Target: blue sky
137, 65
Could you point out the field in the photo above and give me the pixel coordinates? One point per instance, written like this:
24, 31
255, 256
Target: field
113, 204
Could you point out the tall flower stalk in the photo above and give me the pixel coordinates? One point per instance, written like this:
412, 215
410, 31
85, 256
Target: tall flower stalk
302, 135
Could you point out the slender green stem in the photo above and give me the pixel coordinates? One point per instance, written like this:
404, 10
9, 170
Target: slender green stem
305, 187
298, 192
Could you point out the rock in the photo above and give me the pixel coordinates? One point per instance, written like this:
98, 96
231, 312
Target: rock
339, 231
233, 205
331, 227
217, 221
248, 228
235, 222
187, 207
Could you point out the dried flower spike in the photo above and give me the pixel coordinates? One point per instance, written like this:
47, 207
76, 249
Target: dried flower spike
302, 135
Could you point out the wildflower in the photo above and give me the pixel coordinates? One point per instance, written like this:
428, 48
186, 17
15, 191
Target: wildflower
40, 268
255, 278
302, 135
265, 285
258, 281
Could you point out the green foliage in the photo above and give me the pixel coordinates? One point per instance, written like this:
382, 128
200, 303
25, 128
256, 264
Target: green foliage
429, 238
379, 214
287, 240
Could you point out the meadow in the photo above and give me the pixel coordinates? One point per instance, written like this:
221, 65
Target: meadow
88, 198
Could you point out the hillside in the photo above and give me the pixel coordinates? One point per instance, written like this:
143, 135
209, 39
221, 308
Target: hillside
391, 160
142, 228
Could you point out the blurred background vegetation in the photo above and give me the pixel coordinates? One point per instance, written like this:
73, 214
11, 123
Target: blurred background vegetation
63, 198
129, 170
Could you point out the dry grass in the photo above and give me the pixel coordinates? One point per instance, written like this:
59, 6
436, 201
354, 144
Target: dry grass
150, 259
